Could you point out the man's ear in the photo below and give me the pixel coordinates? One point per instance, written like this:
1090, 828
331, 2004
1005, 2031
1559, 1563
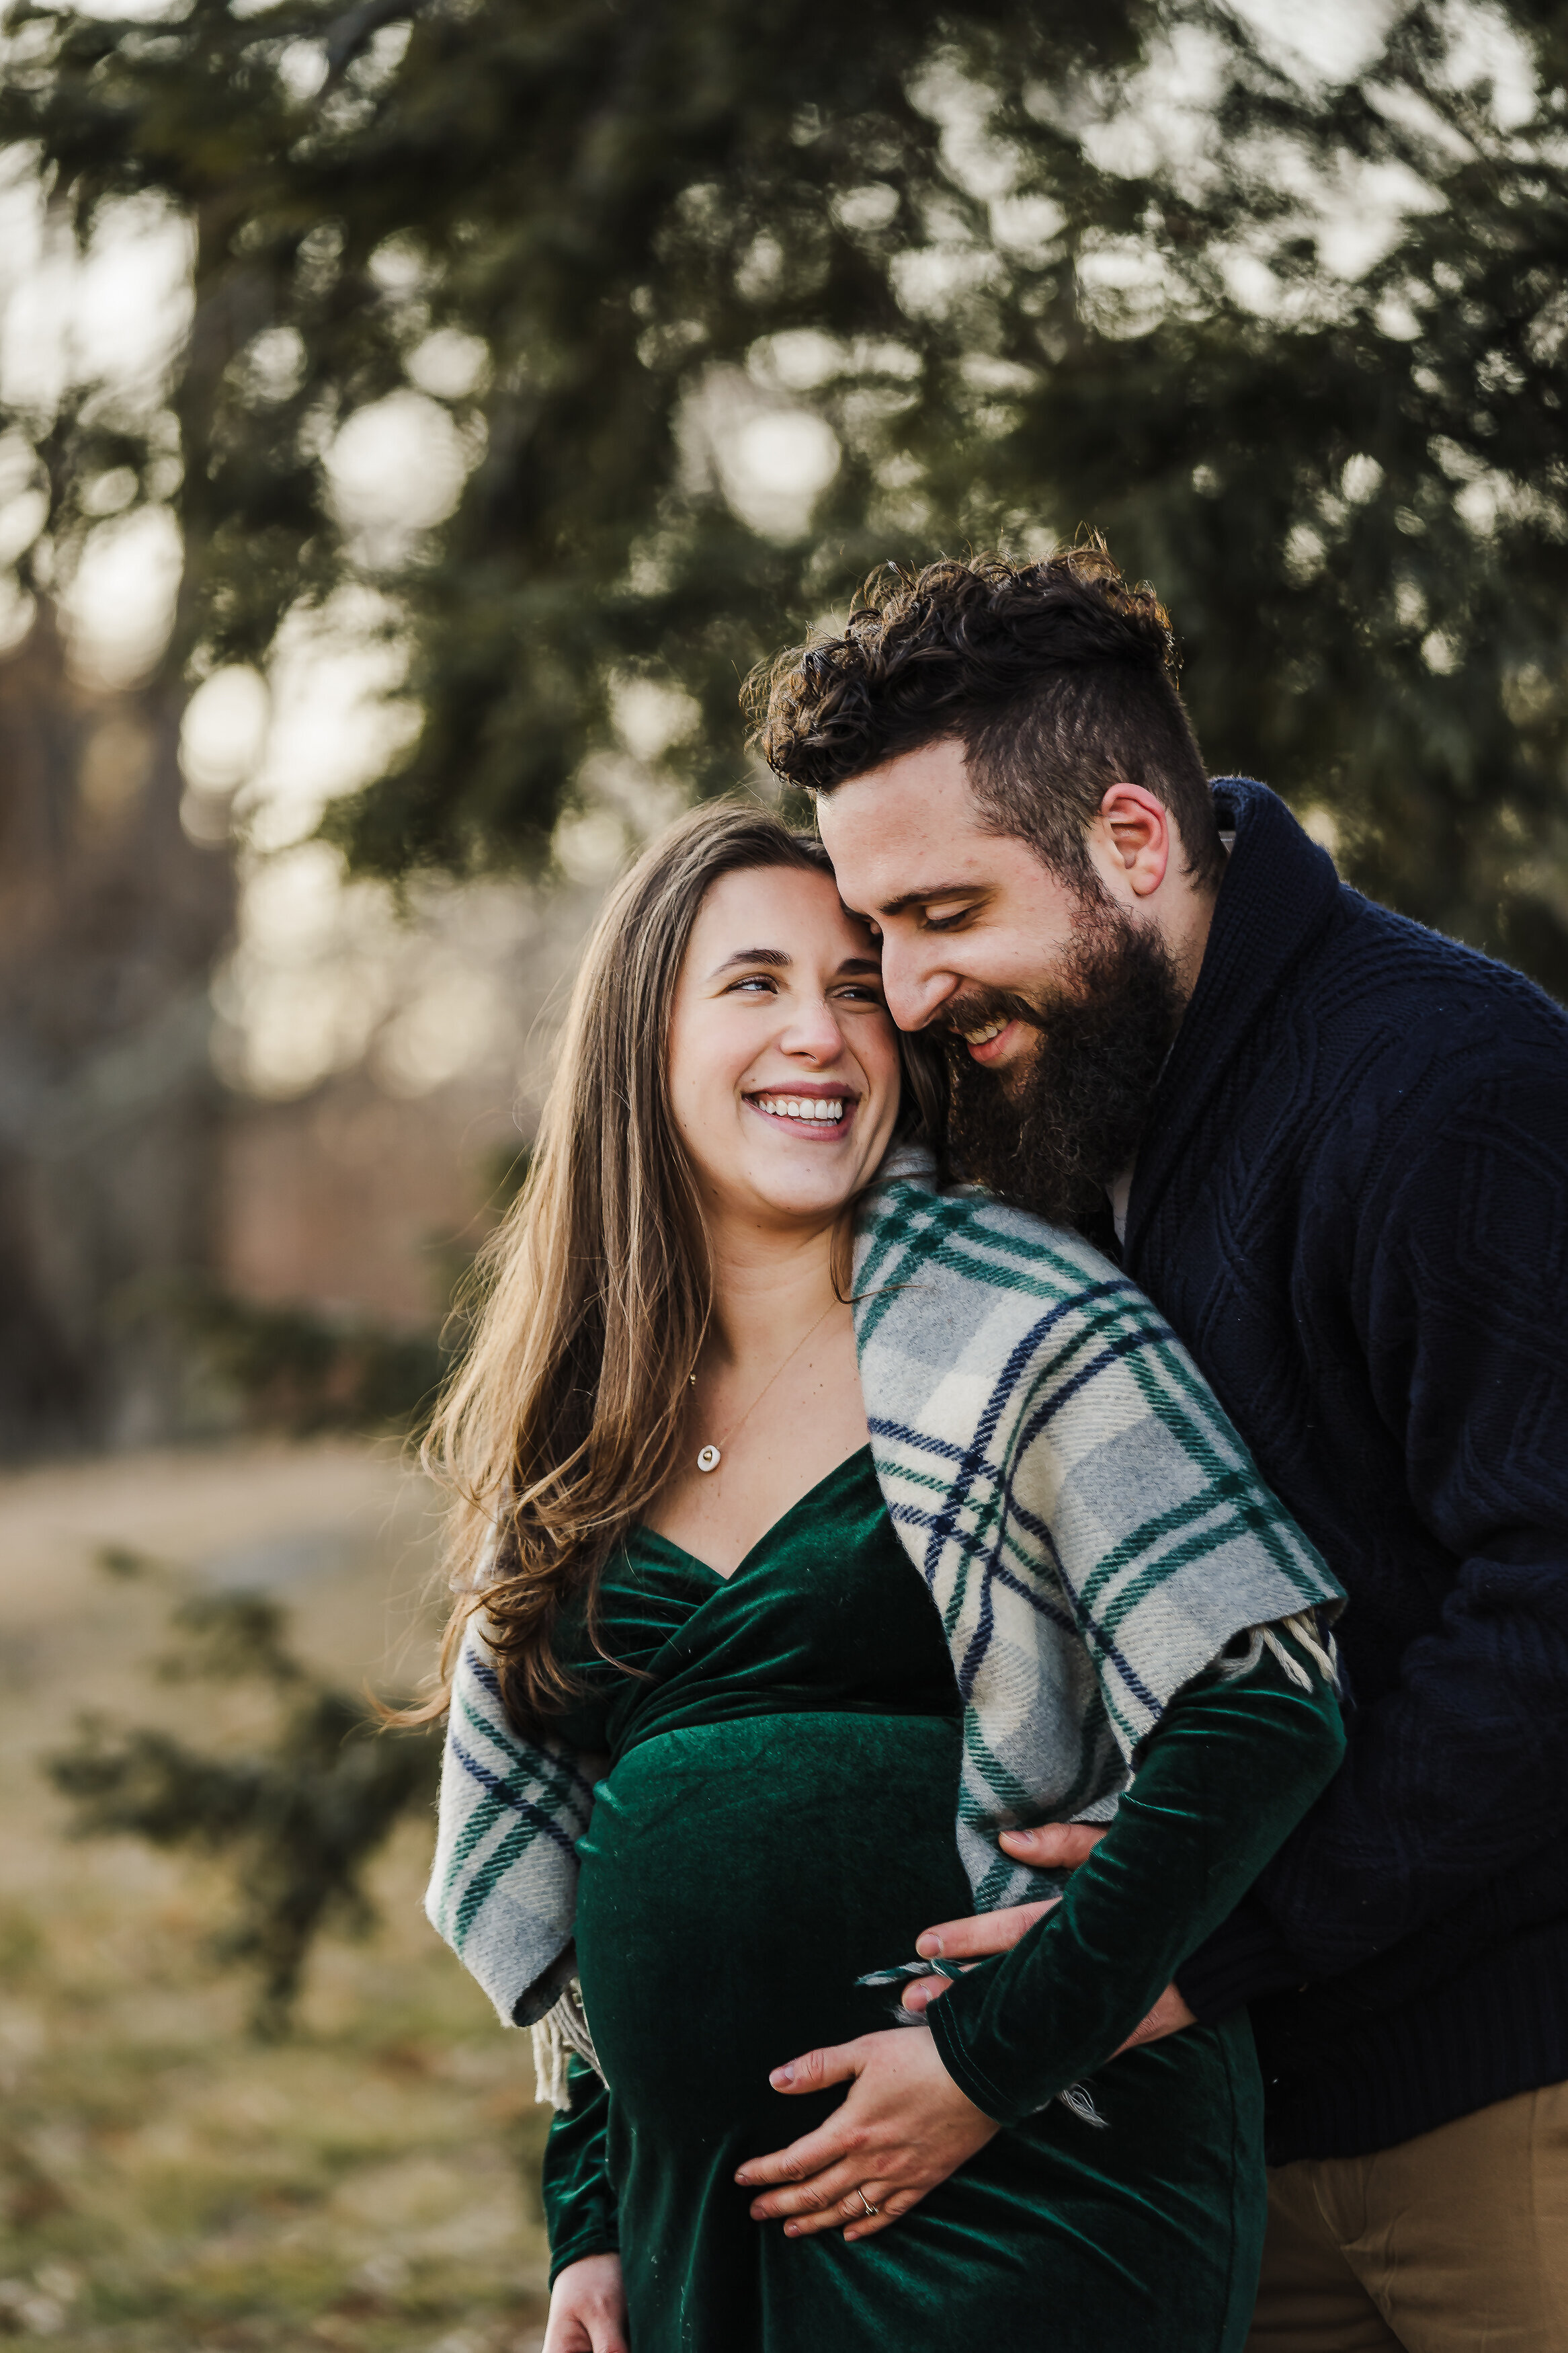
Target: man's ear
1137, 830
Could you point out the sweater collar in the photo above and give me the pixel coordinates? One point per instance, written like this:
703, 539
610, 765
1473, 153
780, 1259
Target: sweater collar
1278, 893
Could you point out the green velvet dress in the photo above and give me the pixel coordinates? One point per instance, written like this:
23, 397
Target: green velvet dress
775, 1821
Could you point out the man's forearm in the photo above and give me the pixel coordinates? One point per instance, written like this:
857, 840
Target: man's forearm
1249, 1957
1246, 1957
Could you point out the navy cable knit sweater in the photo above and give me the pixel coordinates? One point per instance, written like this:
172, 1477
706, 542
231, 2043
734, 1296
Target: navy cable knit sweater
1351, 1202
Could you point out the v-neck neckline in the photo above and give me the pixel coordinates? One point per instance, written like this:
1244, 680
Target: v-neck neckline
646, 1535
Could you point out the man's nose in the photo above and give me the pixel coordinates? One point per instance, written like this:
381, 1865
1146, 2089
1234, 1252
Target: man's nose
915, 990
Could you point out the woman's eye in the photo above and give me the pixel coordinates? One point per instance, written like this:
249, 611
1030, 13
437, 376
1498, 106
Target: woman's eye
757, 981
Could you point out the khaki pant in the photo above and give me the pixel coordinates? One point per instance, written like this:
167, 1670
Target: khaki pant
1454, 2242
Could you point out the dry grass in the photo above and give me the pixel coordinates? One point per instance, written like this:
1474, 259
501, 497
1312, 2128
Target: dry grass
166, 2182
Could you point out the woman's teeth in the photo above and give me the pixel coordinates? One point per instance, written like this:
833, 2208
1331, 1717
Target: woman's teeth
829, 1108
984, 1035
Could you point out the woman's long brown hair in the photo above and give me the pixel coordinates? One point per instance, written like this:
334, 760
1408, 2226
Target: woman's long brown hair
561, 1423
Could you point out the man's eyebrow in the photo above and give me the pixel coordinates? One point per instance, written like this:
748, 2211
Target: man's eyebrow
775, 956
927, 892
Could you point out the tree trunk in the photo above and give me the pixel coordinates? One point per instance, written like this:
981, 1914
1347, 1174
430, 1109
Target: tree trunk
110, 921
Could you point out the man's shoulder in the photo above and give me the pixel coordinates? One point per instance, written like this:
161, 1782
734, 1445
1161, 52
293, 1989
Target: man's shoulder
1408, 1011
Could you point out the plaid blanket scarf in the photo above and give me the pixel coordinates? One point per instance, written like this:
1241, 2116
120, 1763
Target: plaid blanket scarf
1087, 1522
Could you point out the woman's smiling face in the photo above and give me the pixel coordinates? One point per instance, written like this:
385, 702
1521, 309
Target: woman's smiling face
783, 1061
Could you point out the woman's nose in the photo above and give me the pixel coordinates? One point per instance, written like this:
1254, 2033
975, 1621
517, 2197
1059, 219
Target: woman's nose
813, 1031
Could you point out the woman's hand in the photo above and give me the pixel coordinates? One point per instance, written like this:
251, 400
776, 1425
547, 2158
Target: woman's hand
588, 2308
903, 2128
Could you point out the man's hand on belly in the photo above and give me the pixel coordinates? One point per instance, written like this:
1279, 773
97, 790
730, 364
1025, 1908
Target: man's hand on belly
1054, 1846
903, 2128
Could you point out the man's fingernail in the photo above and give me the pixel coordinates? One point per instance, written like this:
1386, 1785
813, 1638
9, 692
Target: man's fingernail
929, 1946
743, 2179
781, 2076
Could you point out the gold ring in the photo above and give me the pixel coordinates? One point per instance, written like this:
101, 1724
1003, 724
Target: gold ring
866, 2202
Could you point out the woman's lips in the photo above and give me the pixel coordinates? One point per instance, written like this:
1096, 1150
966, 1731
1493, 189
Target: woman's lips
805, 1113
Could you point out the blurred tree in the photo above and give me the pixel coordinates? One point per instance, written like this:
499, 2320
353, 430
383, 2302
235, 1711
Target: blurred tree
298, 1818
684, 315
305, 1371
110, 918
641, 260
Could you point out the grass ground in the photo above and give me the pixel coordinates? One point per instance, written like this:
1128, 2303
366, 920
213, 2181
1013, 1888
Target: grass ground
167, 2184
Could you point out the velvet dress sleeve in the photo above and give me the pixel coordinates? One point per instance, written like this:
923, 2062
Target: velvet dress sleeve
579, 2198
1229, 1770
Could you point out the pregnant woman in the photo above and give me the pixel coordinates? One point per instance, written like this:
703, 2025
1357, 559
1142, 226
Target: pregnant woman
742, 1586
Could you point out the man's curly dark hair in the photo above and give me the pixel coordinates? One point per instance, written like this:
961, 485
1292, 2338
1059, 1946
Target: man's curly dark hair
1057, 678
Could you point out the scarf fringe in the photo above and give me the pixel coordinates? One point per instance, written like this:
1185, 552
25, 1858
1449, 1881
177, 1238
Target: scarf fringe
1302, 1630
561, 2032
1078, 2099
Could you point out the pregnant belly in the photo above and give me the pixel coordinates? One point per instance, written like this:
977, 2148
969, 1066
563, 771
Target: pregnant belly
736, 1879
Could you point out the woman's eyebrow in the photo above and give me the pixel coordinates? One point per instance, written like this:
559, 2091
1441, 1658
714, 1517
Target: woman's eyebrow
861, 963
775, 956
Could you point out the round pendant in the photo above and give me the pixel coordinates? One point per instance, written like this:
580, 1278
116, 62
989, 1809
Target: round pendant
709, 1458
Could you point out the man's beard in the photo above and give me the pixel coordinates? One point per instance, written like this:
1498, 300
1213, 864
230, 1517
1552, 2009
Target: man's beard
1053, 1137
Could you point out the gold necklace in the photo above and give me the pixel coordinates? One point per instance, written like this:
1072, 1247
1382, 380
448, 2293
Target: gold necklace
709, 1457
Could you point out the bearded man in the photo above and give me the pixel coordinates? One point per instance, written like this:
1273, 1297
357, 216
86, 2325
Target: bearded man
1333, 1147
